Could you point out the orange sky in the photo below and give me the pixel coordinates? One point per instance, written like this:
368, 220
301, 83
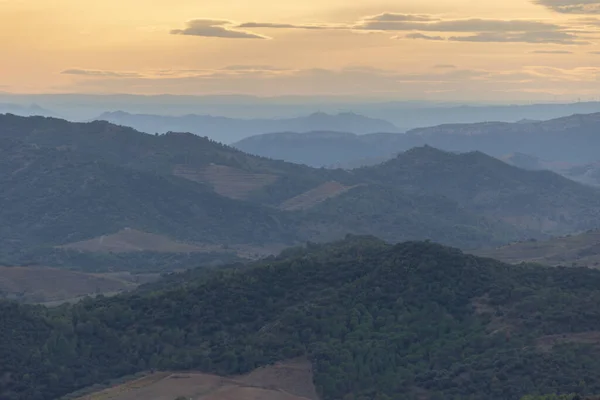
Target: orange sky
439, 49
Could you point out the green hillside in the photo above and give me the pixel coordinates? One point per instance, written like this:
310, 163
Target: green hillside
581, 250
377, 321
540, 201
53, 197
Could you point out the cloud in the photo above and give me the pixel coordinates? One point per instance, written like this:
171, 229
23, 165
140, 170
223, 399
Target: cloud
444, 66
215, 28
393, 17
252, 68
555, 37
550, 52
273, 25
477, 29
459, 25
572, 6
100, 73
475, 84
419, 36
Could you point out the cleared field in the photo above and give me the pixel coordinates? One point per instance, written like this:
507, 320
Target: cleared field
285, 381
42, 285
131, 240
315, 196
580, 250
226, 181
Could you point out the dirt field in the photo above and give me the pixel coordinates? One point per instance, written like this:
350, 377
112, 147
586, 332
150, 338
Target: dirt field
285, 381
581, 250
227, 181
546, 343
42, 285
315, 196
131, 240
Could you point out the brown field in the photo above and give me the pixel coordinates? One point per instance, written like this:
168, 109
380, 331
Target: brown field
42, 285
226, 181
131, 240
290, 380
546, 343
315, 196
580, 250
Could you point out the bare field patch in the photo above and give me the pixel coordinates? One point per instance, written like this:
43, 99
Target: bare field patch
131, 240
315, 196
580, 250
226, 181
41, 285
546, 343
283, 381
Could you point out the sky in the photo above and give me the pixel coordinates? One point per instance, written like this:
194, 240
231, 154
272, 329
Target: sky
404, 49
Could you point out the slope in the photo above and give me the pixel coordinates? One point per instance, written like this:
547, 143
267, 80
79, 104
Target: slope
540, 201
566, 139
396, 215
322, 149
52, 197
417, 320
582, 250
229, 130
225, 169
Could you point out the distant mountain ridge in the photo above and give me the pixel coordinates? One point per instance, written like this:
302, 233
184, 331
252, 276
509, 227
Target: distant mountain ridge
229, 130
73, 182
566, 140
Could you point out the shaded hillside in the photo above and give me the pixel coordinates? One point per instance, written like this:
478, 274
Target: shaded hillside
229, 130
564, 140
52, 197
195, 158
68, 183
397, 215
568, 139
375, 320
541, 201
324, 149
582, 250
588, 173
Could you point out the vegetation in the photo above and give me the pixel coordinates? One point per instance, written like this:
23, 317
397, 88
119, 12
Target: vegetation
375, 320
53, 197
570, 250
540, 201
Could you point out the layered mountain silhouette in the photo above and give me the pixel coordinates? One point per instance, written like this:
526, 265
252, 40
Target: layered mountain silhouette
69, 182
566, 140
229, 130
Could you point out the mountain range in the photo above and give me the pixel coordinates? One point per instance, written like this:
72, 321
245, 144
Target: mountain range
404, 114
65, 183
229, 130
417, 320
567, 141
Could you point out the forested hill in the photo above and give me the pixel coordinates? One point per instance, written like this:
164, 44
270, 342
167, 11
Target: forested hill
412, 321
53, 197
538, 200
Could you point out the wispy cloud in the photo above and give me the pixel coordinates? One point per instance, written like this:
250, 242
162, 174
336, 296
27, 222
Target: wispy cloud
550, 52
216, 29
419, 36
432, 27
555, 37
100, 73
572, 6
